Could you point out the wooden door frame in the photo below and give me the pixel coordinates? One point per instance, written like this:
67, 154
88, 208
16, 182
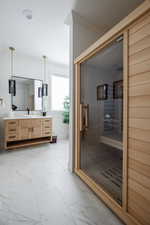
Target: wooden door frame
120, 29
99, 190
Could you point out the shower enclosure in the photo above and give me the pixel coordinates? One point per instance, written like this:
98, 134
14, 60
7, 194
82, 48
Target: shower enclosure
112, 117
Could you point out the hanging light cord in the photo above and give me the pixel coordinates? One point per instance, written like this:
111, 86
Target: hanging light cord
11, 60
44, 57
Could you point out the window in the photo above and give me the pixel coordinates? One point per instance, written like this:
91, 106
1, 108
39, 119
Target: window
60, 89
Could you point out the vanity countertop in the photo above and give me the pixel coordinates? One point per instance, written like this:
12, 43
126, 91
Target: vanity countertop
26, 117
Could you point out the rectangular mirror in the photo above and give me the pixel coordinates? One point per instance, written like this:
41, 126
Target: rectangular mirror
28, 94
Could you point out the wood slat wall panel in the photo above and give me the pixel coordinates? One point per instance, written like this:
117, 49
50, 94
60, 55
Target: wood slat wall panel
140, 189
139, 134
137, 210
139, 112
140, 34
139, 146
135, 197
139, 68
140, 45
138, 177
140, 56
139, 121
139, 101
139, 213
139, 79
140, 23
139, 167
140, 90
142, 124
140, 157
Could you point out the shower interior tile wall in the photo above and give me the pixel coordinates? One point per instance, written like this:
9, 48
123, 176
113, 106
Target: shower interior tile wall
101, 108
113, 109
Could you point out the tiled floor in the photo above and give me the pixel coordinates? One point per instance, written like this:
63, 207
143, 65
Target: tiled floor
37, 189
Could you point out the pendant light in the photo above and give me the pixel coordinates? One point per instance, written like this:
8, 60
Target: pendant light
45, 85
11, 81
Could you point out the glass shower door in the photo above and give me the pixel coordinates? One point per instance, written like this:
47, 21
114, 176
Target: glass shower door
102, 124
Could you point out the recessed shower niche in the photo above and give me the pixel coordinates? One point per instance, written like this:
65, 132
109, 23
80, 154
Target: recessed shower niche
101, 97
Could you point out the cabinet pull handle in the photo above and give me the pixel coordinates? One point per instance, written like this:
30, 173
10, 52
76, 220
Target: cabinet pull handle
12, 130
47, 127
12, 122
12, 136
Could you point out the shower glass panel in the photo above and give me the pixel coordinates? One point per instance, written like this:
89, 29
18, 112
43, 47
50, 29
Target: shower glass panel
102, 118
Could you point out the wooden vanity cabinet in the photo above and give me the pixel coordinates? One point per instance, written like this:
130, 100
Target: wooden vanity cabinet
25, 129
25, 132
12, 130
30, 128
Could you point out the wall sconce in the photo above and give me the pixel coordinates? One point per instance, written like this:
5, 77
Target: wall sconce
2, 104
12, 87
40, 92
11, 82
45, 89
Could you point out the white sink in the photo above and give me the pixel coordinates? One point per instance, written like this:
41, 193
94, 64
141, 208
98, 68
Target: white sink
26, 117
32, 116
29, 115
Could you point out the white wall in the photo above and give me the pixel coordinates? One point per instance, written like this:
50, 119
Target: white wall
30, 67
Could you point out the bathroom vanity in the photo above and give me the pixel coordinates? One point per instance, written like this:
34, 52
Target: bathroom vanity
27, 131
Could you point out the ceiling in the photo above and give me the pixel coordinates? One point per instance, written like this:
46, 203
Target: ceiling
46, 33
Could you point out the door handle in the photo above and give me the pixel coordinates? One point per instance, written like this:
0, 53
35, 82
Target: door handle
84, 117
86, 110
81, 118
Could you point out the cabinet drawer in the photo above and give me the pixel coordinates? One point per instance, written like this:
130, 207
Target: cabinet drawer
47, 133
47, 126
12, 129
11, 125
12, 137
47, 122
47, 129
12, 132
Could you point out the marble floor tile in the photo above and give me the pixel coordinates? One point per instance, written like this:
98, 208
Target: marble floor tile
36, 188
